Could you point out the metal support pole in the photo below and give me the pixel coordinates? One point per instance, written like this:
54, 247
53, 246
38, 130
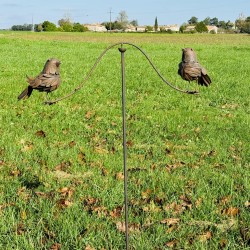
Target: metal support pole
122, 50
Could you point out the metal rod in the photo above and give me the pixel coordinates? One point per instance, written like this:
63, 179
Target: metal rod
122, 50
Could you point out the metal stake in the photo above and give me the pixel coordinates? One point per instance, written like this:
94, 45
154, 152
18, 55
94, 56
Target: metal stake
122, 50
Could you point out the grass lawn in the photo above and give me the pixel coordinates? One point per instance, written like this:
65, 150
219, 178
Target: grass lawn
61, 166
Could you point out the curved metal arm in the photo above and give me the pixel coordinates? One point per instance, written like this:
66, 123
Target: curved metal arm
99, 59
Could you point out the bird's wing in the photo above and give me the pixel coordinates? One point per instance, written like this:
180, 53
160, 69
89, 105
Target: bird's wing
193, 70
44, 81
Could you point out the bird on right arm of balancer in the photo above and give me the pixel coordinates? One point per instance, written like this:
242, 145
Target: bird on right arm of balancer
47, 81
191, 70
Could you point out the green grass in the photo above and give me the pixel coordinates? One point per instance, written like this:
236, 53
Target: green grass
188, 156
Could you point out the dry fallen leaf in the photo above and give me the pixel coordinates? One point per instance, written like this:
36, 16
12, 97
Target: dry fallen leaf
223, 243
63, 203
55, 246
116, 212
66, 191
133, 227
72, 144
247, 204
231, 211
88, 114
170, 221
171, 243
88, 247
40, 133
206, 236
119, 176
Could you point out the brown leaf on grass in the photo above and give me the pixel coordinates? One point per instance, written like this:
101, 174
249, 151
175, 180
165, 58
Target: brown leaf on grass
82, 157
88, 247
64, 203
247, 204
186, 202
72, 144
171, 243
119, 176
101, 150
45, 194
89, 114
225, 200
15, 173
231, 211
104, 171
170, 221
223, 243
66, 192
132, 227
27, 147
20, 229
116, 212
198, 202
100, 210
63, 166
56, 246
176, 208
146, 194
171, 167
40, 133
129, 144
3, 206
206, 236
90, 201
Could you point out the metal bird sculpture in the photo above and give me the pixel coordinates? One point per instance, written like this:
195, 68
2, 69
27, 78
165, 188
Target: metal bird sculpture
47, 81
191, 70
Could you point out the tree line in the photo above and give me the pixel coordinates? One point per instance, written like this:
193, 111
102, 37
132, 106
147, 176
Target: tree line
242, 25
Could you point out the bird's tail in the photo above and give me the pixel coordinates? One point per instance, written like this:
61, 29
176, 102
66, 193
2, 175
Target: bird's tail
204, 80
26, 93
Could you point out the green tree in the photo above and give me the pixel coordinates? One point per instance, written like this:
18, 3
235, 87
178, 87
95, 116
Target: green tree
206, 21
65, 24
193, 20
201, 27
134, 23
148, 28
182, 28
156, 25
38, 27
48, 26
77, 27
214, 21
222, 24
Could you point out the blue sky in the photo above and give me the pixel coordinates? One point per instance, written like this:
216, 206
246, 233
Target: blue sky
92, 11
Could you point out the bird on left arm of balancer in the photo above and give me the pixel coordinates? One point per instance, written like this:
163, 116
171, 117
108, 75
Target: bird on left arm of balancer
47, 81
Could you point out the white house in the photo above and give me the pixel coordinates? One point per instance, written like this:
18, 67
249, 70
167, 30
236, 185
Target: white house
172, 27
96, 27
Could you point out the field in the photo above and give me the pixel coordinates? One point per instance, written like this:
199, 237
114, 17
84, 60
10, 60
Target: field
61, 166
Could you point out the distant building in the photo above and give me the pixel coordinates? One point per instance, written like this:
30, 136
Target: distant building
209, 27
172, 27
96, 27
132, 28
212, 28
